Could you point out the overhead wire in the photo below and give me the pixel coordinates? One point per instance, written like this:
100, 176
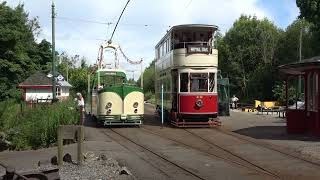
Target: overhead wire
110, 23
187, 5
82, 20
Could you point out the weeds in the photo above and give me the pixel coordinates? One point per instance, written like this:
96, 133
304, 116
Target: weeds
32, 128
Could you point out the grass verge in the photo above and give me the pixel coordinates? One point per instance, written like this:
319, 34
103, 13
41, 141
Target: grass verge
22, 127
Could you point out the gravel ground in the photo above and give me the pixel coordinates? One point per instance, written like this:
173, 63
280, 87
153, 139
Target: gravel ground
93, 168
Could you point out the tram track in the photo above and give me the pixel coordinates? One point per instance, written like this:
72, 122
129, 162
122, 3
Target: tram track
264, 145
234, 154
266, 158
252, 166
282, 175
159, 155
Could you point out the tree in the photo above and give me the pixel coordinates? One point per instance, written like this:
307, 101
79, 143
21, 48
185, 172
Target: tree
310, 10
247, 57
288, 45
20, 55
148, 78
79, 79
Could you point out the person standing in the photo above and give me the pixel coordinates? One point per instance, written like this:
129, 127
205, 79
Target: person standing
80, 102
234, 101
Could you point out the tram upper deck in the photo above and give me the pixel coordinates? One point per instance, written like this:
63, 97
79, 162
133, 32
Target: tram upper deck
187, 45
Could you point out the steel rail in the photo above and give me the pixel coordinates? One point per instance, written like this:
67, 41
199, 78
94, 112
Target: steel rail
158, 155
259, 170
236, 155
264, 145
133, 152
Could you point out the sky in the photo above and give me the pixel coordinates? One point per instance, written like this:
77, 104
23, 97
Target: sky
82, 25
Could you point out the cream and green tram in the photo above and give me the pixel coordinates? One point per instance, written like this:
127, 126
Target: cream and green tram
114, 101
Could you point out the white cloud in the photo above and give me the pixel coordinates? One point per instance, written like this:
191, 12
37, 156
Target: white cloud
137, 41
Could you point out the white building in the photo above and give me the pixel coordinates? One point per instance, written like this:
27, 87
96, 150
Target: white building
38, 87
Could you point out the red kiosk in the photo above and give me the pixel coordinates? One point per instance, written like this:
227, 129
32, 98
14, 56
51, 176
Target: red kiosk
304, 118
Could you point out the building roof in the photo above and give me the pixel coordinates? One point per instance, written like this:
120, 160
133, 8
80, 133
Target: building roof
298, 68
42, 79
64, 84
37, 79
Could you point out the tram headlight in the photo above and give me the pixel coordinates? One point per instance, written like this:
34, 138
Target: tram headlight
135, 105
109, 105
199, 103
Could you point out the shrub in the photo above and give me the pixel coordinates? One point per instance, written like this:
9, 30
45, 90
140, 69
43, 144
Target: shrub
35, 127
148, 95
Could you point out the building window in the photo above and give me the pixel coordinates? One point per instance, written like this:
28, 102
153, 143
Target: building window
58, 91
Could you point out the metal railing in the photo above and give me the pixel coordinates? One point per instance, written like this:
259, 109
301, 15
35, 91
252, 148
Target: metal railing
179, 45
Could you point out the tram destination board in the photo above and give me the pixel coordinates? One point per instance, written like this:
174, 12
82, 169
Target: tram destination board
198, 49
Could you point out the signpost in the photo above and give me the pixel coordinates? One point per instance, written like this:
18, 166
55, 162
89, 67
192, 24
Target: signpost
69, 132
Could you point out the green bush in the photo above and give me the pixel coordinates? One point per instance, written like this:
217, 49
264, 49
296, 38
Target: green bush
32, 128
150, 97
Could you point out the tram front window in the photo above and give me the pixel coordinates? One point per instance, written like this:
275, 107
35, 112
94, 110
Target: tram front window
211, 82
199, 82
184, 82
112, 80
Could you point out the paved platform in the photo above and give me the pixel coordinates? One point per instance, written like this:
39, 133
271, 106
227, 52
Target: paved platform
271, 129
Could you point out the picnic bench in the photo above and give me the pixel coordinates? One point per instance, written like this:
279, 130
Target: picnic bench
277, 109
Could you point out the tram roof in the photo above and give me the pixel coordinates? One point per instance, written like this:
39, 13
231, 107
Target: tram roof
117, 72
297, 68
187, 26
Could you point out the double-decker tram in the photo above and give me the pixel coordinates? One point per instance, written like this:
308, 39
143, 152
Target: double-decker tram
186, 67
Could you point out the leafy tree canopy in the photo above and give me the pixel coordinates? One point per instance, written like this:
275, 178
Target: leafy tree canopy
310, 10
247, 55
148, 78
20, 55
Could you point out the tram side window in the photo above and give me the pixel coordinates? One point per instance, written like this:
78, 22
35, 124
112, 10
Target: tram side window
199, 82
184, 82
211, 82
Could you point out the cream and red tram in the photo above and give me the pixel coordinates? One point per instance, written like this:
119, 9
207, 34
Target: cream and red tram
186, 65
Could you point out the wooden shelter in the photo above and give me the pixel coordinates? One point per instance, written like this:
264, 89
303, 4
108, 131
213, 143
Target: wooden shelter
38, 87
304, 117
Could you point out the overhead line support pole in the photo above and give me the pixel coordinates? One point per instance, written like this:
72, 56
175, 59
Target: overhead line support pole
141, 74
300, 54
53, 54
